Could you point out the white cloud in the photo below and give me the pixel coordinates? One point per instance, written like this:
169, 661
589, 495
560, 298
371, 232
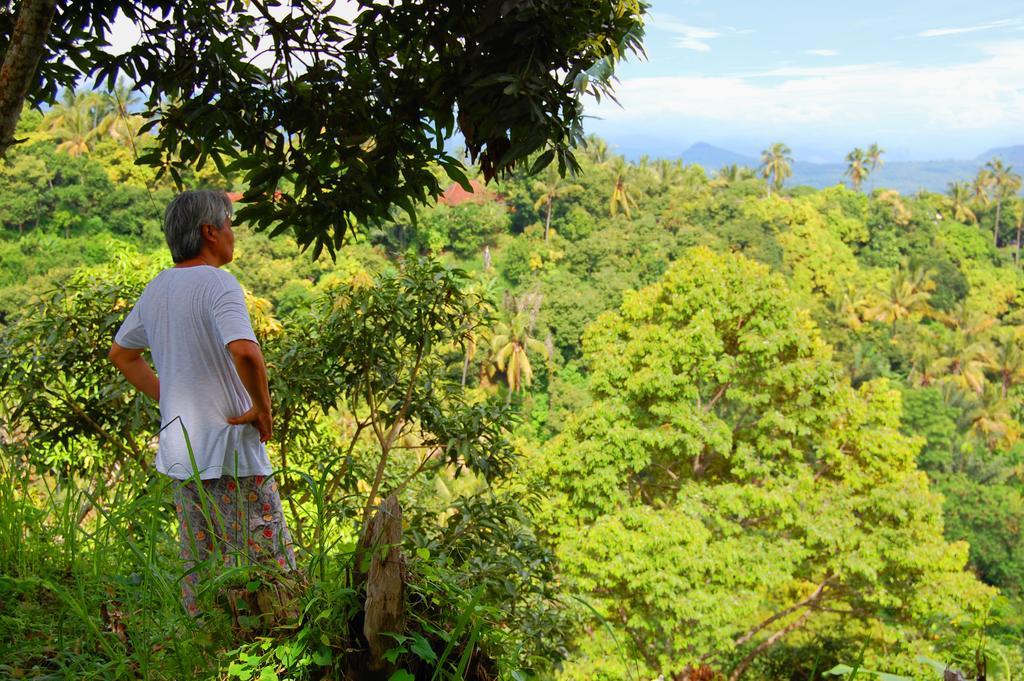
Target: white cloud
938, 32
811, 71
984, 94
822, 53
688, 37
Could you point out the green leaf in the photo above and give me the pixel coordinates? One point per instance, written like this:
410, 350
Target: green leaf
323, 657
542, 162
939, 667
845, 670
401, 675
237, 669
268, 674
421, 648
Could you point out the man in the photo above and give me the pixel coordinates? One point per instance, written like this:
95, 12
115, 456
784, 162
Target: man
211, 383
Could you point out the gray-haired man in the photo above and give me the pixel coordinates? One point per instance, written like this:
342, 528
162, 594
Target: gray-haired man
212, 388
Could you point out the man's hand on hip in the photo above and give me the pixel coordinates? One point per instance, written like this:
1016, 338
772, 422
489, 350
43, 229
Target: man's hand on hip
261, 420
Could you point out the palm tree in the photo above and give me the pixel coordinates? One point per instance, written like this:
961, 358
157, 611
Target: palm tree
857, 169
1008, 360
596, 149
1017, 212
669, 173
848, 306
482, 290
964, 360
908, 294
552, 187
966, 354
621, 200
732, 173
959, 200
75, 121
992, 418
924, 355
512, 342
1005, 183
119, 122
980, 187
874, 158
776, 166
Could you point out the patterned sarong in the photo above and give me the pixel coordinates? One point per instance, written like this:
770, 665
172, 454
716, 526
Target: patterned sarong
246, 526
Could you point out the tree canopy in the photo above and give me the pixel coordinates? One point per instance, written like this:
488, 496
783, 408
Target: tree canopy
338, 122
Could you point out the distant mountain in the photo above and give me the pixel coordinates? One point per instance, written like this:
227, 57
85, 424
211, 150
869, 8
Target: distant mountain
905, 177
1013, 156
711, 158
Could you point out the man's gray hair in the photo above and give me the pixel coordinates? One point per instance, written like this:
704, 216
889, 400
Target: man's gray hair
185, 216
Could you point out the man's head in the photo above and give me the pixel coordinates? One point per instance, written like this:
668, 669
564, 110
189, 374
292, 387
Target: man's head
199, 222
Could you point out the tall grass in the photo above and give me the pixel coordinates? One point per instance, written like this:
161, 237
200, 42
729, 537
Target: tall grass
96, 598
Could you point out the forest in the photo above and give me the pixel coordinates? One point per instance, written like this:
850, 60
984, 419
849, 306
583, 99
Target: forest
646, 420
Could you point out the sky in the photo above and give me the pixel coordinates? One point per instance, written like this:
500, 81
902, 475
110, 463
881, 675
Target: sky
927, 80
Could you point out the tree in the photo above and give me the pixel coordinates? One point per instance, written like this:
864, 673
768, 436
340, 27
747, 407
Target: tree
596, 149
981, 185
25, 48
1008, 360
959, 202
857, 168
512, 342
727, 488
119, 121
874, 156
1005, 183
552, 187
75, 121
1017, 212
965, 354
669, 173
24, 179
909, 291
732, 173
342, 124
621, 200
776, 166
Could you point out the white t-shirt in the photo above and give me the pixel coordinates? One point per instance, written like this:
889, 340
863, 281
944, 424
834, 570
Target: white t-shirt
187, 316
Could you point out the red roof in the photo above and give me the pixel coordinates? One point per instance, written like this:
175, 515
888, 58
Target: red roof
456, 194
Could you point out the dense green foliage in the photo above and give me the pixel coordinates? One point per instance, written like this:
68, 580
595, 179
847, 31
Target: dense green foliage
665, 422
338, 123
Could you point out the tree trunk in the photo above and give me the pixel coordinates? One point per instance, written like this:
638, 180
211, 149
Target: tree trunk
385, 581
547, 222
1016, 256
999, 207
20, 62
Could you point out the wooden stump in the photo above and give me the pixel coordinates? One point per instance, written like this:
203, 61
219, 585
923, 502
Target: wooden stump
385, 581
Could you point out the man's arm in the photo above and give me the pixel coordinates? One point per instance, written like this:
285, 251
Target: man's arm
129, 362
252, 370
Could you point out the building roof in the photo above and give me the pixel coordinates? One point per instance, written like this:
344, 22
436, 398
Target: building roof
456, 194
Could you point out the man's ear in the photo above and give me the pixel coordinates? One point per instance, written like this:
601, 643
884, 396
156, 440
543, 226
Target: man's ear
208, 232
